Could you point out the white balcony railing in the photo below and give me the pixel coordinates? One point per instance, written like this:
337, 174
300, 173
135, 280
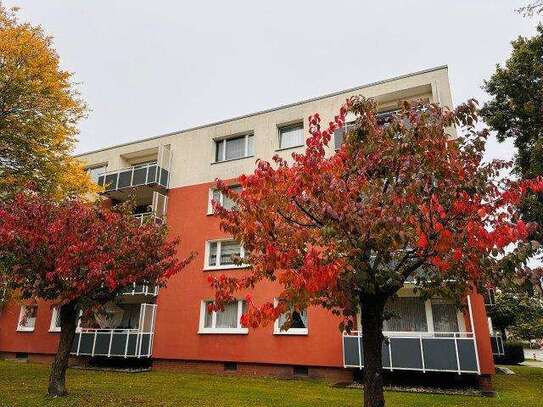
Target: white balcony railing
148, 217
420, 351
141, 289
127, 343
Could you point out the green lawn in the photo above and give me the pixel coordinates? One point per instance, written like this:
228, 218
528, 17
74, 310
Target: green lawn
25, 384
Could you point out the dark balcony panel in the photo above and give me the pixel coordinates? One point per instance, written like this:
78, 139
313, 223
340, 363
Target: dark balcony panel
125, 179
131, 349
101, 346
350, 350
164, 177
145, 344
405, 353
118, 344
140, 176
467, 355
439, 354
152, 174
85, 344
111, 182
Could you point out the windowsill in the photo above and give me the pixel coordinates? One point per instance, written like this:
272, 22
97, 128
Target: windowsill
223, 331
292, 332
55, 331
22, 329
289, 148
232, 159
229, 267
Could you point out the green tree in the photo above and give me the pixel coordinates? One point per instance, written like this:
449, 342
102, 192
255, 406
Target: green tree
515, 111
518, 313
39, 111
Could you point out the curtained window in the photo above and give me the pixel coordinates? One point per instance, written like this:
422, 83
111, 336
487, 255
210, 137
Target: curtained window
223, 252
291, 136
409, 315
445, 316
234, 148
227, 321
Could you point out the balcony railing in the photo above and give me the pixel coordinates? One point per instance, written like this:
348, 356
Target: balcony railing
496, 341
150, 174
127, 343
148, 217
141, 289
421, 351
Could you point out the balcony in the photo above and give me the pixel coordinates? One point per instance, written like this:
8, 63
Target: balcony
131, 342
496, 341
141, 289
149, 217
117, 182
418, 351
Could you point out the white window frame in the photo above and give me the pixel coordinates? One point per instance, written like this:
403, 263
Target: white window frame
54, 314
219, 266
221, 198
227, 331
291, 331
287, 126
22, 313
223, 159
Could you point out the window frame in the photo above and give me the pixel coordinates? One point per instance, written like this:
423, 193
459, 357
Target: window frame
55, 313
22, 312
221, 197
207, 266
223, 141
291, 331
202, 330
288, 126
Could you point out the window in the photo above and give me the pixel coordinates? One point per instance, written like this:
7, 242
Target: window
339, 134
291, 136
222, 322
218, 196
55, 320
95, 172
445, 316
221, 254
408, 315
27, 318
298, 323
234, 148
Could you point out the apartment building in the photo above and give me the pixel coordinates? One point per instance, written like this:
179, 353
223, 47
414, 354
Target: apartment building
172, 177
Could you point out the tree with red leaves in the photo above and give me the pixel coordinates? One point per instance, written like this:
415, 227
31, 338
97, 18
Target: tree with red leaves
79, 256
402, 200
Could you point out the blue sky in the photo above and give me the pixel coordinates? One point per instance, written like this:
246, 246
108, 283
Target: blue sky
151, 67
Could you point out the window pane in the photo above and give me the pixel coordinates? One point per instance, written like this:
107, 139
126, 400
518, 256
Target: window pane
212, 261
216, 195
57, 318
251, 145
339, 135
299, 319
445, 317
219, 150
235, 148
208, 316
229, 249
409, 314
291, 136
227, 202
95, 172
28, 316
228, 318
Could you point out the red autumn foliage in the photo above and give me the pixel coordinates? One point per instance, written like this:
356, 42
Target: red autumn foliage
400, 200
76, 251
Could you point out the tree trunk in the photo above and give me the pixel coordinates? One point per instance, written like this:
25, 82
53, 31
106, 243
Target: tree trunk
372, 339
68, 323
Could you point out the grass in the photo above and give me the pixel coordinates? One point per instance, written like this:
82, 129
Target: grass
25, 385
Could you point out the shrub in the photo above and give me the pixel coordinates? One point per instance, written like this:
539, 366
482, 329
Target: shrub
514, 354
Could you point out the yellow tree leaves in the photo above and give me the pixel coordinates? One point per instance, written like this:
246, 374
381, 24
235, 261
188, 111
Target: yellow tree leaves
39, 111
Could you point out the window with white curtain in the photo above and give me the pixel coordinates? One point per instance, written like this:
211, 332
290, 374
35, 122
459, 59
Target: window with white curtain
291, 136
445, 316
218, 196
298, 323
234, 148
55, 320
27, 318
226, 322
221, 254
409, 315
